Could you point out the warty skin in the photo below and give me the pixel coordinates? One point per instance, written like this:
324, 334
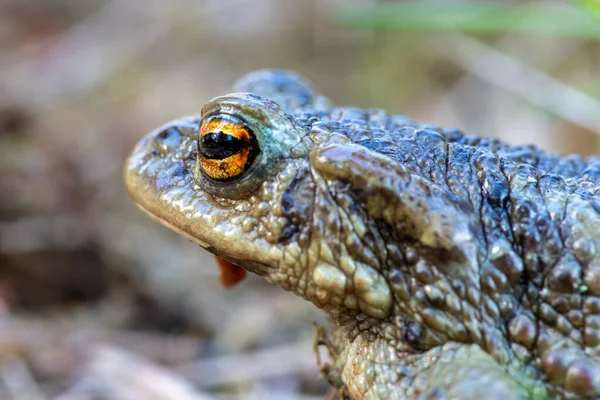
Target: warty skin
451, 266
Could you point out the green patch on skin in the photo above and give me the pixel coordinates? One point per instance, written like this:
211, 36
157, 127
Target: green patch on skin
533, 386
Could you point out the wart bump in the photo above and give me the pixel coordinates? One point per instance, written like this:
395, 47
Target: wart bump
330, 278
373, 291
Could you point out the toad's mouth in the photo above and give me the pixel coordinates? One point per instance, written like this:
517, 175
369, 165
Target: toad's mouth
231, 273
175, 228
232, 270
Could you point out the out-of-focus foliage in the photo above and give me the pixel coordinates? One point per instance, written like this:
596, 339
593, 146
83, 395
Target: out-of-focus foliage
591, 6
554, 19
488, 20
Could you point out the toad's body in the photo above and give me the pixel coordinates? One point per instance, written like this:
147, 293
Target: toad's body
451, 266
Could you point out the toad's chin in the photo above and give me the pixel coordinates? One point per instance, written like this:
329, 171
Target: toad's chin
175, 228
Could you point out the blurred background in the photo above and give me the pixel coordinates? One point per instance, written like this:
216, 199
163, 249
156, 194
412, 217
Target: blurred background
99, 302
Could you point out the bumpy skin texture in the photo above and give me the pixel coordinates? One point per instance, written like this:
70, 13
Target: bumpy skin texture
451, 266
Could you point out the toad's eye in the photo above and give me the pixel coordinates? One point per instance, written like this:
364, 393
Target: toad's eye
226, 148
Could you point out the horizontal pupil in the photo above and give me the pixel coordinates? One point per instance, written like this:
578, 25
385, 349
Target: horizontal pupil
219, 145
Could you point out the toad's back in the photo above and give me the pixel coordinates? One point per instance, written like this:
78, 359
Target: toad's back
451, 266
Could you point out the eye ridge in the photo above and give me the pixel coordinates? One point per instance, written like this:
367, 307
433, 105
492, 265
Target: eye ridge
220, 145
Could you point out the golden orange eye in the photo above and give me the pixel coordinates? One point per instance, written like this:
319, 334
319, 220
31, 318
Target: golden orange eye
226, 148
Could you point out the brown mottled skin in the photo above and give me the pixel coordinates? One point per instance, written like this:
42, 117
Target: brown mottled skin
451, 266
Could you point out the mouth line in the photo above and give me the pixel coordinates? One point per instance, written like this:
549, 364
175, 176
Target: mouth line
254, 266
174, 228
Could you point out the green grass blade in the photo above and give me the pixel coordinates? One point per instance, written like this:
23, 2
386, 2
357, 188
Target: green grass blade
591, 6
545, 18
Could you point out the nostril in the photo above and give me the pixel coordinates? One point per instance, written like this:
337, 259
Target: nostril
168, 140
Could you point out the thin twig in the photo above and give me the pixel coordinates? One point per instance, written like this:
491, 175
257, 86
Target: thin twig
127, 376
516, 76
19, 381
296, 358
468, 84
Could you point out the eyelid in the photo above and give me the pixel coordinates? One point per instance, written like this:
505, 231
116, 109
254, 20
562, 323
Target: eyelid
231, 127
